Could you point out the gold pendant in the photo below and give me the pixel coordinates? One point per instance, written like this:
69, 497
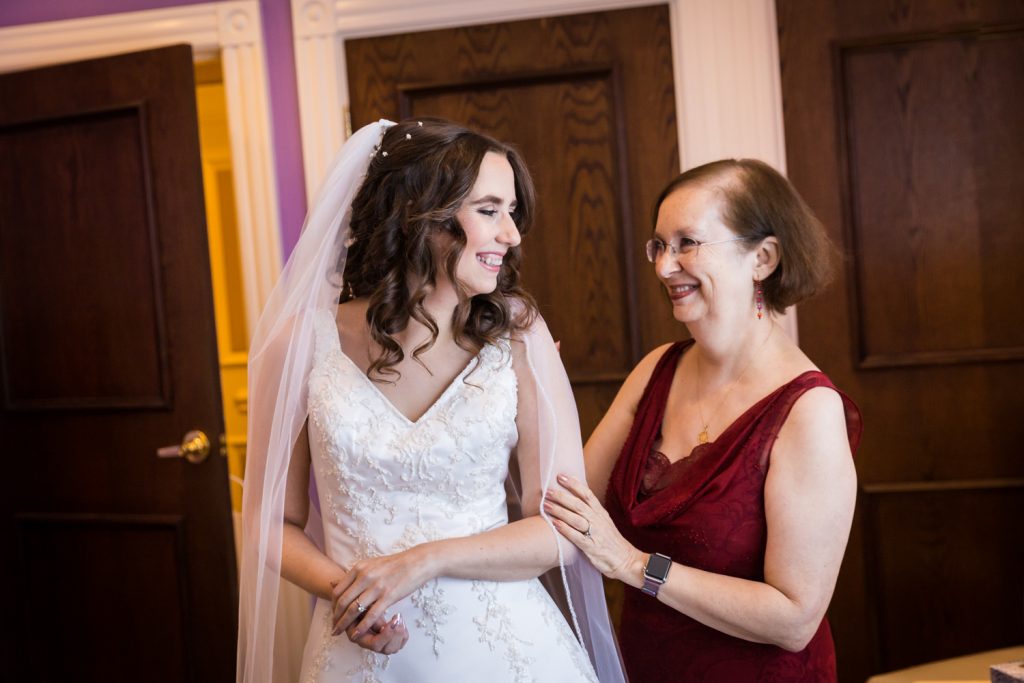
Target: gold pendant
703, 436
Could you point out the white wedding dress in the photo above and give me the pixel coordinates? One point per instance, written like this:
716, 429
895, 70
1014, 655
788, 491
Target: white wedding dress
386, 484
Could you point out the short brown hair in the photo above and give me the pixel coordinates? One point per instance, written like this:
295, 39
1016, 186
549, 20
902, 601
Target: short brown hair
759, 202
418, 179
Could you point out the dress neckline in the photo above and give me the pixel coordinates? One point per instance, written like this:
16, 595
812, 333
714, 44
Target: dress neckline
682, 472
732, 425
441, 399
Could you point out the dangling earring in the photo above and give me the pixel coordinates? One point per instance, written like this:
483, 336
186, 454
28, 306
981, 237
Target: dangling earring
759, 298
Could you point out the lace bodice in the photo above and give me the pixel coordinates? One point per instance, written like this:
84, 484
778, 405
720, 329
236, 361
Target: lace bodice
386, 483
440, 476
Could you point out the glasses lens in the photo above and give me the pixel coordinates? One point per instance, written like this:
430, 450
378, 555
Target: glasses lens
654, 249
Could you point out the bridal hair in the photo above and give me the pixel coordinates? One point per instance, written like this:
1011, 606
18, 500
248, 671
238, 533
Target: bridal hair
757, 201
420, 174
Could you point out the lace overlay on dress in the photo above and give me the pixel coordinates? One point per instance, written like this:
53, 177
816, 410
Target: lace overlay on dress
387, 483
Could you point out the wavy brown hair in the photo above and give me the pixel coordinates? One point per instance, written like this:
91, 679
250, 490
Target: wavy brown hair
419, 177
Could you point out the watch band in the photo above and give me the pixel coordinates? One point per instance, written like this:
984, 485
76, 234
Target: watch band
656, 573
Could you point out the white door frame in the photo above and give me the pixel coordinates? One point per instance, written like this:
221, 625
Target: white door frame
231, 30
725, 67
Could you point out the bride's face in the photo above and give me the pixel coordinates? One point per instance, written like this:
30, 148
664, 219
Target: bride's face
486, 219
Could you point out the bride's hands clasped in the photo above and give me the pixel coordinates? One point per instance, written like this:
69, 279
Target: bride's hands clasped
579, 516
365, 593
385, 637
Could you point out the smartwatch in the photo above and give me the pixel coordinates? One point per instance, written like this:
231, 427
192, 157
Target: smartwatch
656, 573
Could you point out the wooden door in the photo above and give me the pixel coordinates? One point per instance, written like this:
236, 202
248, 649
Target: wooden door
904, 132
588, 99
120, 565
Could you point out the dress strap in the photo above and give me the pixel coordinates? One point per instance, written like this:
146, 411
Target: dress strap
628, 471
325, 331
656, 391
781, 405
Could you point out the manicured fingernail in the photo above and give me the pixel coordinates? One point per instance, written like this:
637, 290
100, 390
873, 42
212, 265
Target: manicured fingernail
336, 632
562, 478
398, 619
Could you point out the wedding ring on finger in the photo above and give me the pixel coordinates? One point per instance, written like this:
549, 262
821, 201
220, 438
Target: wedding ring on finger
587, 532
359, 607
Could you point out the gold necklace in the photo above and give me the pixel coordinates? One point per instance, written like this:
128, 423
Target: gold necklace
702, 437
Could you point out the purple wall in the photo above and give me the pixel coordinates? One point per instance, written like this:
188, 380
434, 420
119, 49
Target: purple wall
284, 103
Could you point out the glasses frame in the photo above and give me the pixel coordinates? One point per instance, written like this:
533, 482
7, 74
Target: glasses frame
677, 251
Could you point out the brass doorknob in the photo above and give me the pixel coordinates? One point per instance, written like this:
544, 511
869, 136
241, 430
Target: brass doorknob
194, 448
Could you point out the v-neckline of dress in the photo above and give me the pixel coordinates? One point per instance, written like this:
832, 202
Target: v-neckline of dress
449, 389
702, 449
732, 425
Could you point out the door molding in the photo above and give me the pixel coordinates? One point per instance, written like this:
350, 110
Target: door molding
725, 65
231, 30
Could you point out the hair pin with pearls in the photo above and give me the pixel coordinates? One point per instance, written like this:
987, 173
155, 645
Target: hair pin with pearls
384, 152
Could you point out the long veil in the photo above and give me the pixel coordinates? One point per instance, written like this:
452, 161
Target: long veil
279, 364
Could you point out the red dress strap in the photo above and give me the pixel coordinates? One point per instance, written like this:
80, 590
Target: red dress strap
628, 473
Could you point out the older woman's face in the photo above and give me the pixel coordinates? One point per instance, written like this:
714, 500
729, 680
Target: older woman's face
707, 282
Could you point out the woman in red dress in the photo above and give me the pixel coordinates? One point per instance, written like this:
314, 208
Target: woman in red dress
721, 484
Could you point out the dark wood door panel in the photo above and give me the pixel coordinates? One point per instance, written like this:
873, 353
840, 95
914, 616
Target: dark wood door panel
108, 351
903, 133
120, 563
58, 217
931, 141
589, 101
945, 568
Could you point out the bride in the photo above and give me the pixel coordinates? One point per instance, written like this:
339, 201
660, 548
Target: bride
400, 363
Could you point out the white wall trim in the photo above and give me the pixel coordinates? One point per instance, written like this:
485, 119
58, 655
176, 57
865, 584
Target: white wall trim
232, 30
728, 90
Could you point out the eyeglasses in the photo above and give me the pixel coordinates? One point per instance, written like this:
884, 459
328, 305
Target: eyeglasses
685, 246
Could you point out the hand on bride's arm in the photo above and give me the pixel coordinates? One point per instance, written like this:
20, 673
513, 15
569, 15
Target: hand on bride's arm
371, 586
575, 511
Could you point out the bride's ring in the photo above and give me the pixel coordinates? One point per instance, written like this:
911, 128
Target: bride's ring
587, 532
359, 607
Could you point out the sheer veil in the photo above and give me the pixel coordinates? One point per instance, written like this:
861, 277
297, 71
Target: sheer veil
279, 364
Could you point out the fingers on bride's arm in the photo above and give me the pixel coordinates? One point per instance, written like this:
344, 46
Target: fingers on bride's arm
562, 506
565, 506
579, 490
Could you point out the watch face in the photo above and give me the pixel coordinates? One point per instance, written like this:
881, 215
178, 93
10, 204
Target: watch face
658, 566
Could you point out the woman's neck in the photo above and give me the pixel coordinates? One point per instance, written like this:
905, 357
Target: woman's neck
726, 349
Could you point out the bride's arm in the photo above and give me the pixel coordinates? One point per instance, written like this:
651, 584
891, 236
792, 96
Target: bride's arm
523, 549
302, 562
306, 566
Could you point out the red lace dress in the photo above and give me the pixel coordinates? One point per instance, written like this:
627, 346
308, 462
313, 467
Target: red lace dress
707, 511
